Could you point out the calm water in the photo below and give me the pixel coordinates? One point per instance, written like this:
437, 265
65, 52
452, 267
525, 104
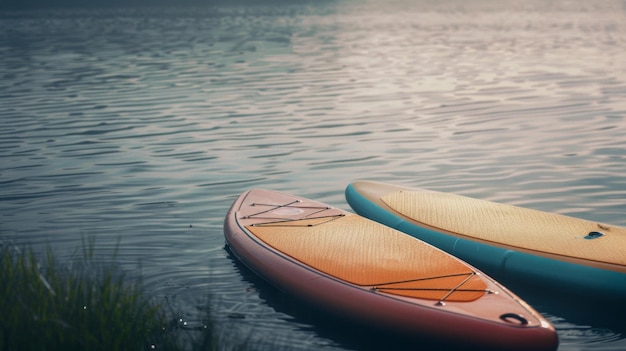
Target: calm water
145, 125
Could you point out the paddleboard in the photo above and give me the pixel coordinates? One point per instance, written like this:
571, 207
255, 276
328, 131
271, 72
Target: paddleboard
507, 242
367, 272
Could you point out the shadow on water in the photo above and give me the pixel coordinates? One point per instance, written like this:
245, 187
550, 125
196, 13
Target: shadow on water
348, 333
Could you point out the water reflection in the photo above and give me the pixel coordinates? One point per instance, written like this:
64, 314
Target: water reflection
144, 125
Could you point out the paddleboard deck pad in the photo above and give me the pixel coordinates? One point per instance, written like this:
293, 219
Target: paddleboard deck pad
503, 240
362, 270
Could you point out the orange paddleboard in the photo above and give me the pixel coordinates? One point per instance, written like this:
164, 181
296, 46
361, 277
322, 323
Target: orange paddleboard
366, 271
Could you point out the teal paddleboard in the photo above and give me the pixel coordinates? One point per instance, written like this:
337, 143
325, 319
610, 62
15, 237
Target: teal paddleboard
510, 243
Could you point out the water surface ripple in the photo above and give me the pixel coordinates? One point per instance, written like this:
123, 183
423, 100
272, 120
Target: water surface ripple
144, 125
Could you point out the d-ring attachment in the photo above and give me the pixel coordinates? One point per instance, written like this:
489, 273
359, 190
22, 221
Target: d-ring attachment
593, 235
514, 317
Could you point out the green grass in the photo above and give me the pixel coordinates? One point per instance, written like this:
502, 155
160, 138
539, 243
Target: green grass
81, 305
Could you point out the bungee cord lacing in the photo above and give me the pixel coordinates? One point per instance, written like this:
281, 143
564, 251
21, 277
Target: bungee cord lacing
282, 220
457, 288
